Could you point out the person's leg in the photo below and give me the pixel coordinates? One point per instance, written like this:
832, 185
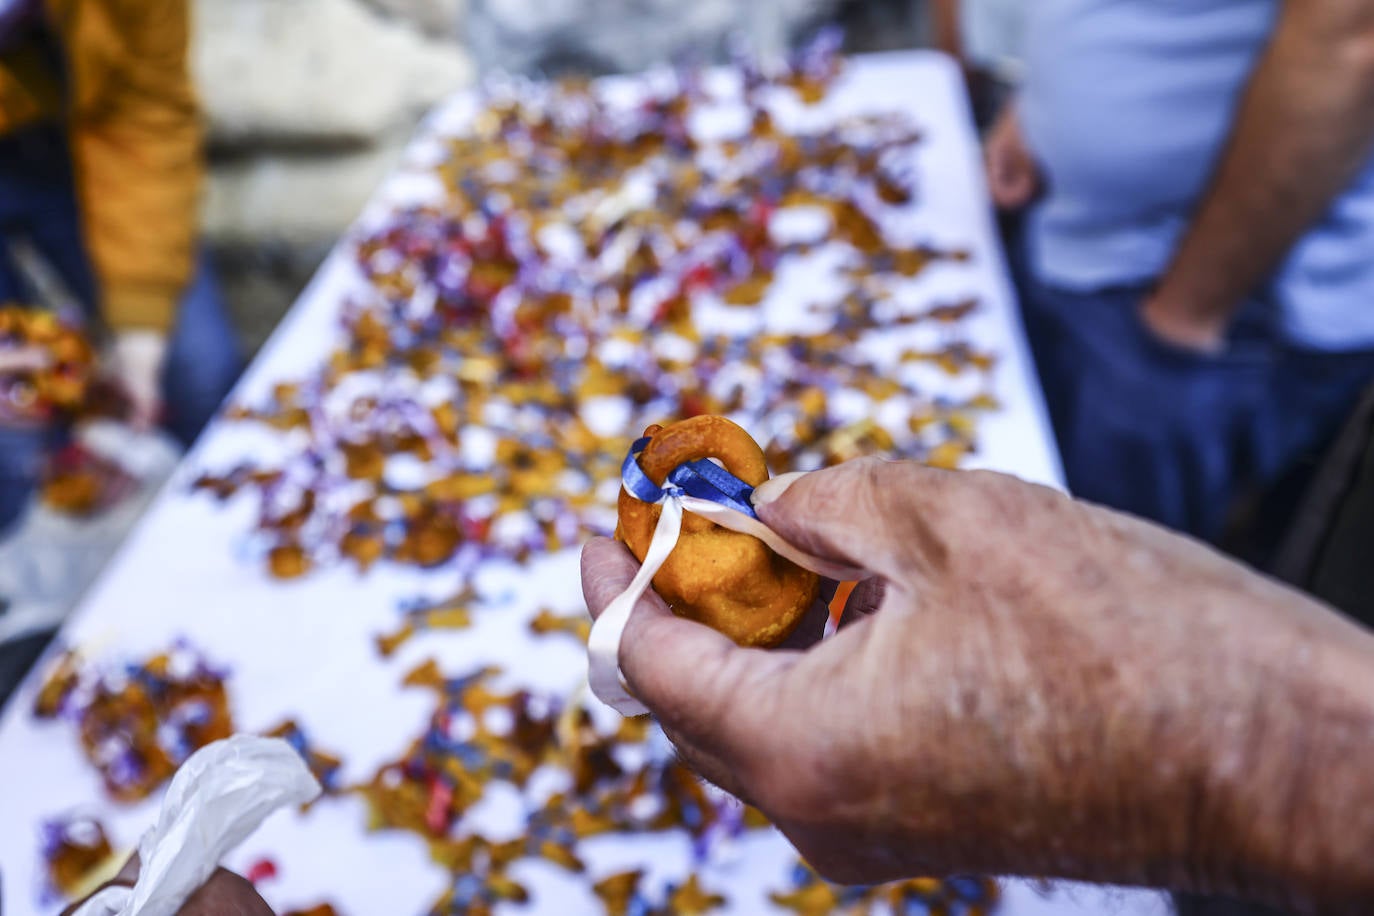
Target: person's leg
21, 459
37, 206
1315, 395
38, 203
37, 178
204, 358
21, 448
1041, 320
1142, 427
13, 289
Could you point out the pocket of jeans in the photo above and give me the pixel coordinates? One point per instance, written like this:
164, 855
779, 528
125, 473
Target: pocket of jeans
1249, 351
1165, 350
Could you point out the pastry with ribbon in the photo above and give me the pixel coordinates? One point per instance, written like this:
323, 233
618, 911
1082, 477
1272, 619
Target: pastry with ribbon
730, 581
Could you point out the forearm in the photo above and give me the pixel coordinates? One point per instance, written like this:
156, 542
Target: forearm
1305, 126
1043, 688
1235, 756
945, 26
1292, 818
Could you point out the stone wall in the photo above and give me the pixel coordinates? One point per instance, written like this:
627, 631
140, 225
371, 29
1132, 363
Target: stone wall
308, 102
442, 18
599, 36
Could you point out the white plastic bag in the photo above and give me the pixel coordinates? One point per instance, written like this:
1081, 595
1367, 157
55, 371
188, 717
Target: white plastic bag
216, 800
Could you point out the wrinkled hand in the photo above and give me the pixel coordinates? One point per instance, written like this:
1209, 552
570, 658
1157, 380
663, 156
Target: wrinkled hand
1029, 685
225, 894
1013, 175
136, 361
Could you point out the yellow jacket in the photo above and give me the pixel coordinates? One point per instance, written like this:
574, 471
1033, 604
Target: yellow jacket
136, 138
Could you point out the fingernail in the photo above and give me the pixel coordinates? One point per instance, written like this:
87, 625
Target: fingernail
770, 491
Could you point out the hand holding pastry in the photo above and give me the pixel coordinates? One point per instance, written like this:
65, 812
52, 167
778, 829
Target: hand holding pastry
1036, 687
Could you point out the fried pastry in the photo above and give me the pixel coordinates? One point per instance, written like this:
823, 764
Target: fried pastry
732, 582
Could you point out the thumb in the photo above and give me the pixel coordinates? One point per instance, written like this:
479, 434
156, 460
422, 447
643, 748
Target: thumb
692, 678
876, 515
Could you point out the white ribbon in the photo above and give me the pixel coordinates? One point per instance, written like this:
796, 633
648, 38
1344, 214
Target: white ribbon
603, 646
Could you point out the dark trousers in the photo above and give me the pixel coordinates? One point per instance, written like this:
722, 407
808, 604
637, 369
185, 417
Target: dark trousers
1182, 438
38, 205
1192, 440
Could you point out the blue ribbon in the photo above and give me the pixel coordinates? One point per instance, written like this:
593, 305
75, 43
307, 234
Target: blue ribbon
703, 479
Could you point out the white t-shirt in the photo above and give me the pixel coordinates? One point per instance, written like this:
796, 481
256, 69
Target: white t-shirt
1128, 104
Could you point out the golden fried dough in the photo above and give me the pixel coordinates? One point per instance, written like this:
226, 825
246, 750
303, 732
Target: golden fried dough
732, 582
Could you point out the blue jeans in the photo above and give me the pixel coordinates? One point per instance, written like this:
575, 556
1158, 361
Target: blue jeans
38, 205
1173, 435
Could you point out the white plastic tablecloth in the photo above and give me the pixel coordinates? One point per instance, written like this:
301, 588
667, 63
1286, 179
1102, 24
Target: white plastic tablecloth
305, 649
